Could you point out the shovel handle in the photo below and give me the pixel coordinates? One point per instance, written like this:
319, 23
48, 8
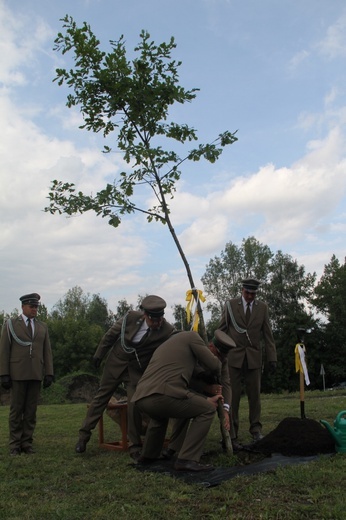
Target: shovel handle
225, 434
302, 402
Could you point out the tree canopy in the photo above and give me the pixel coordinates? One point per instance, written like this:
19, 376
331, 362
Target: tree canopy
330, 300
76, 325
78, 321
130, 99
284, 286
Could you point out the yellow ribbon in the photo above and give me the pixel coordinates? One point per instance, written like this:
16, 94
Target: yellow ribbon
300, 361
299, 366
190, 298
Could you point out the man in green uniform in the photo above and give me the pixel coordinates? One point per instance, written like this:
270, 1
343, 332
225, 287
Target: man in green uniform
25, 360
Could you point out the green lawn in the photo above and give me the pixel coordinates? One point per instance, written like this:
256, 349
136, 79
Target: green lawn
57, 483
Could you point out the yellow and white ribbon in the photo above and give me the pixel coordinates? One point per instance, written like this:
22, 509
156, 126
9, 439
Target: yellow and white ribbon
300, 361
190, 313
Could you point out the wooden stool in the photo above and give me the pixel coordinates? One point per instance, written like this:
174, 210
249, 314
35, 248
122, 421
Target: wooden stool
116, 445
123, 444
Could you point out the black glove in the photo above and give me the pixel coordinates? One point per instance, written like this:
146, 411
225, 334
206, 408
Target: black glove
47, 381
6, 382
96, 362
272, 367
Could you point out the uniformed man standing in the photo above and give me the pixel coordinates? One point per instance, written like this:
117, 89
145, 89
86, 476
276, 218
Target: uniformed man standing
129, 343
25, 360
246, 321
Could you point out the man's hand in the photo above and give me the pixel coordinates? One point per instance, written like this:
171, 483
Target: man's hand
226, 420
96, 362
272, 367
47, 381
213, 389
214, 399
6, 382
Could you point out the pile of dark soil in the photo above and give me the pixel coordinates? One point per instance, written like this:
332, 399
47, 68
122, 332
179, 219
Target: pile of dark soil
294, 441
294, 436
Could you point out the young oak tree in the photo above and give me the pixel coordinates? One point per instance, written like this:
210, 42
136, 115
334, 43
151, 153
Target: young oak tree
132, 100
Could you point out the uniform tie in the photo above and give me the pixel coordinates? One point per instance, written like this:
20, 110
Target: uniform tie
29, 327
248, 313
144, 337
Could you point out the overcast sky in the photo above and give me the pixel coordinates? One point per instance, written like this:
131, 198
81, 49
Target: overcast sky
273, 70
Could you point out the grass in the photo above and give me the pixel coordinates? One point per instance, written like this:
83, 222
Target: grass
57, 483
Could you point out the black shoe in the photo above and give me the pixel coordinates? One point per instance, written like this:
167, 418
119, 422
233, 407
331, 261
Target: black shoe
81, 446
28, 450
237, 446
15, 452
168, 454
145, 461
191, 465
135, 451
256, 436
135, 455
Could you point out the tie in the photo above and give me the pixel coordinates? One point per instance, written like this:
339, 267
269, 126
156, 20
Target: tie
29, 327
248, 313
145, 335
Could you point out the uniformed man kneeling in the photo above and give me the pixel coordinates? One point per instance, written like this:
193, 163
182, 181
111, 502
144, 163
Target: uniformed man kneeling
163, 393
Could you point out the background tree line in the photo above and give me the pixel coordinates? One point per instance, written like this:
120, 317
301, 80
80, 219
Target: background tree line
78, 321
295, 299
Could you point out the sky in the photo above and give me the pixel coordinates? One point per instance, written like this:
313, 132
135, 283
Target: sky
275, 72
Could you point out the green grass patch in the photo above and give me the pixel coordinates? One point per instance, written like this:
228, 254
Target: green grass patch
56, 483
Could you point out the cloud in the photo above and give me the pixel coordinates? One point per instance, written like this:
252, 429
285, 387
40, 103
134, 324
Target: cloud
281, 205
205, 234
186, 205
52, 253
298, 59
297, 206
19, 55
333, 45
331, 96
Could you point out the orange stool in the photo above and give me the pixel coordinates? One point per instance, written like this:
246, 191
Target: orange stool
123, 444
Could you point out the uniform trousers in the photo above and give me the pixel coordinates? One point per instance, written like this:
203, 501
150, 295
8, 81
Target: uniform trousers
134, 419
161, 408
252, 380
22, 417
108, 386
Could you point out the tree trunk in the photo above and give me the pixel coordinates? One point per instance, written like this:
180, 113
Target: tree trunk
203, 330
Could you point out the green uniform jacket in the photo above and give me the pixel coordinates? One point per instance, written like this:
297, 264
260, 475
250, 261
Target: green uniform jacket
118, 360
171, 368
258, 329
24, 363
